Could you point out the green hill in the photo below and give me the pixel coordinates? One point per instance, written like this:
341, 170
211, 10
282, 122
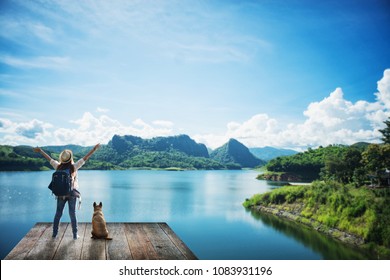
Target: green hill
20, 158
235, 154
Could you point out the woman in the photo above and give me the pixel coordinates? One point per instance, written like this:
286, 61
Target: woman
66, 162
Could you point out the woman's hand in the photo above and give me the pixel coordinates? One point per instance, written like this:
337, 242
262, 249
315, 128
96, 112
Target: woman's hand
97, 146
39, 150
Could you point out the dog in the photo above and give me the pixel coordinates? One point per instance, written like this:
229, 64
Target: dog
99, 227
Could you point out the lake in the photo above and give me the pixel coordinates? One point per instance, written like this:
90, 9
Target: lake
204, 208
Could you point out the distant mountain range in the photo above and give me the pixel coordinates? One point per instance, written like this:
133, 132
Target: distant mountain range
124, 152
268, 153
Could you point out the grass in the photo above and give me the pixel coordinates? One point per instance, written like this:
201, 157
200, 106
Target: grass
360, 211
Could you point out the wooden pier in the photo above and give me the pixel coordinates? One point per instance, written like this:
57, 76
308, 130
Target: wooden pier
131, 241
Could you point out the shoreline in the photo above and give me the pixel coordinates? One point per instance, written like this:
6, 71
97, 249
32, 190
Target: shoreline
335, 233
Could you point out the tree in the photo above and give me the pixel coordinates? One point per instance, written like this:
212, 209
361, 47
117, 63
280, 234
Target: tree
386, 132
377, 159
342, 166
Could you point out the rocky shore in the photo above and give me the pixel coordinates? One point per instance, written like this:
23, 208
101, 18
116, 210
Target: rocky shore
293, 214
280, 177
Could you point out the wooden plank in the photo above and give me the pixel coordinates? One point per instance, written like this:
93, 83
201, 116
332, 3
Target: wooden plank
140, 245
69, 248
46, 246
189, 255
161, 242
93, 249
20, 251
117, 248
130, 241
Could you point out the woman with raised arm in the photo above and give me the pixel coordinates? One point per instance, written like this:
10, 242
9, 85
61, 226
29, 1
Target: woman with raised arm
66, 162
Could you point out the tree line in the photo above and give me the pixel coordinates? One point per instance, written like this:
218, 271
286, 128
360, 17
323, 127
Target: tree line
355, 164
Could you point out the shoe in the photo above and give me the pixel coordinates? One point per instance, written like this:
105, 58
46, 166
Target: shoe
54, 236
75, 237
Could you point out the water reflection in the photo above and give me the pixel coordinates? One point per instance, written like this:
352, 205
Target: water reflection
329, 248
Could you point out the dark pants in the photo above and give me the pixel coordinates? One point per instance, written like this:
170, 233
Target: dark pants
72, 214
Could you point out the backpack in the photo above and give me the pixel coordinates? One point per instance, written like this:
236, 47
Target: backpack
61, 183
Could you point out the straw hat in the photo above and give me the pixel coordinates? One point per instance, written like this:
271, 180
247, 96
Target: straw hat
66, 156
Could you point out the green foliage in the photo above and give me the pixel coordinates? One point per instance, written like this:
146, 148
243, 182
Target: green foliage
14, 162
360, 211
277, 196
169, 159
386, 132
376, 157
19, 158
340, 165
344, 164
307, 165
380, 229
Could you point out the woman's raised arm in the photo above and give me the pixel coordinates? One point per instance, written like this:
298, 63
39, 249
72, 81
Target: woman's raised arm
39, 150
87, 156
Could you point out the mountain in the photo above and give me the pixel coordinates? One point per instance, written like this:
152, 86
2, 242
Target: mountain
181, 143
160, 152
268, 153
76, 149
234, 153
124, 152
361, 145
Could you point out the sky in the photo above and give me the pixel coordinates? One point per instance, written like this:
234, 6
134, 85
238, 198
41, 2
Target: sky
288, 74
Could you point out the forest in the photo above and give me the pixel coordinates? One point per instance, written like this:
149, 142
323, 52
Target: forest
345, 164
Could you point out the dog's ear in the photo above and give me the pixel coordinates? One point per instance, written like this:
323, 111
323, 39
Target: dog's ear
94, 204
100, 204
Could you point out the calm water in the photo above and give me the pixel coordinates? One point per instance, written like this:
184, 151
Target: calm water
202, 207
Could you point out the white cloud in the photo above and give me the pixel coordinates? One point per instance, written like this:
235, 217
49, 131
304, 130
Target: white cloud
29, 132
87, 130
210, 140
260, 130
333, 120
383, 95
163, 123
91, 129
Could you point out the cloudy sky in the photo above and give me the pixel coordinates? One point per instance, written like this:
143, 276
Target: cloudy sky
267, 72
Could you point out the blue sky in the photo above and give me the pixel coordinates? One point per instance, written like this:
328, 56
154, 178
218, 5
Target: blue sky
278, 73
